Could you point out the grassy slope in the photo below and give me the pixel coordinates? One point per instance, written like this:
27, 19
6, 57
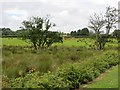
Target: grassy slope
109, 80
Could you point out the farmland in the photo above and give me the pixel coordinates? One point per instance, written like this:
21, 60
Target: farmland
74, 58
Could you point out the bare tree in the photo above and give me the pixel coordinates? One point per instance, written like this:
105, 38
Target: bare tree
109, 21
96, 23
111, 18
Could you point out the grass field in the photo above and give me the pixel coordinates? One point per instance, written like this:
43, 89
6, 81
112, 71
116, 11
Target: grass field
83, 42
67, 42
107, 80
19, 60
14, 42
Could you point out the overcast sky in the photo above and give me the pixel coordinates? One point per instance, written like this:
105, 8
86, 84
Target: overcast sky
68, 15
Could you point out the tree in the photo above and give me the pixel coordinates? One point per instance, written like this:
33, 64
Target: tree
116, 33
73, 33
20, 32
111, 18
78, 32
6, 31
109, 21
38, 32
85, 32
96, 23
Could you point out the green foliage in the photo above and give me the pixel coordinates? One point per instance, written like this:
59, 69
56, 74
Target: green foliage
80, 33
21, 32
85, 32
17, 60
6, 31
70, 76
51, 80
38, 33
31, 80
86, 71
116, 33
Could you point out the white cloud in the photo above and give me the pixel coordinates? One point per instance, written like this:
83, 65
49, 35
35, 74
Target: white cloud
67, 14
13, 17
15, 12
113, 3
23, 0
64, 13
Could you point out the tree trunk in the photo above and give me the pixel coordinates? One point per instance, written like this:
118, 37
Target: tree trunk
35, 46
97, 41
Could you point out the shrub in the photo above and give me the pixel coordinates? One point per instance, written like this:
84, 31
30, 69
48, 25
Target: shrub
50, 80
31, 80
71, 74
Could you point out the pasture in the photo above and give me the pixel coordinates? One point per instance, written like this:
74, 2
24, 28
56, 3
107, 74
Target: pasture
19, 59
68, 42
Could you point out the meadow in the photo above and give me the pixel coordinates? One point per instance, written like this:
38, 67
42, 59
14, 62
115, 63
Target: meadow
73, 58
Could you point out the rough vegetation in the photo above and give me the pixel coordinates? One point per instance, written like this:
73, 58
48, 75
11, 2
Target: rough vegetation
24, 67
71, 76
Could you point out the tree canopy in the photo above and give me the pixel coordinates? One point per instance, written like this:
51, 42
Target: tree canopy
38, 32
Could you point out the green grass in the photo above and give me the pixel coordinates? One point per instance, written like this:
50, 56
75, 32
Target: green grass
17, 59
84, 42
109, 80
69, 42
14, 42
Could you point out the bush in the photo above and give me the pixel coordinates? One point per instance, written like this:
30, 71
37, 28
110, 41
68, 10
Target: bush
31, 80
50, 80
71, 74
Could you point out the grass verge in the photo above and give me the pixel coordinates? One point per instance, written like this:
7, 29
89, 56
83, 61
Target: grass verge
106, 80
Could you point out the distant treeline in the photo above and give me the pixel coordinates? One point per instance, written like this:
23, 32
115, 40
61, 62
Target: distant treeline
10, 33
85, 32
78, 33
